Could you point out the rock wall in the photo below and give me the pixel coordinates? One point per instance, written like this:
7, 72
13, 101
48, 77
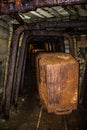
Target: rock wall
4, 40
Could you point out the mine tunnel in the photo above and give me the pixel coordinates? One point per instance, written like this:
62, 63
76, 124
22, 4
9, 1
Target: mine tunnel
43, 67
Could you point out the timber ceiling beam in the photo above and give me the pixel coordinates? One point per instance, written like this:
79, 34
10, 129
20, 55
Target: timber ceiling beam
54, 24
12, 6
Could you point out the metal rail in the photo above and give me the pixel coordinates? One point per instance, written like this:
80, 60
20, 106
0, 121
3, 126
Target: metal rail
40, 116
65, 123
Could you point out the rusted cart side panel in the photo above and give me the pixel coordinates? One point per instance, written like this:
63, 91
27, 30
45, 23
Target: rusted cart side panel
57, 79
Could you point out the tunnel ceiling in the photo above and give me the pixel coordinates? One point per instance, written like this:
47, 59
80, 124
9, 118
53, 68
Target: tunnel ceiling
51, 13
56, 13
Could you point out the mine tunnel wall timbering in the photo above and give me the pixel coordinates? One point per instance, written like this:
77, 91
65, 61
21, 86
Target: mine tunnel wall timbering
33, 47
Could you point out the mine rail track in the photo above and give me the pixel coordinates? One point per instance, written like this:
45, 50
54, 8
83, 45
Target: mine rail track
65, 123
39, 120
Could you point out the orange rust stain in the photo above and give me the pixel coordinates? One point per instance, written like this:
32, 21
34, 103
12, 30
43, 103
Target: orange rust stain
18, 2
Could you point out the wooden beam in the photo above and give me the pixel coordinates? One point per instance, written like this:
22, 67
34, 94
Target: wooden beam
12, 7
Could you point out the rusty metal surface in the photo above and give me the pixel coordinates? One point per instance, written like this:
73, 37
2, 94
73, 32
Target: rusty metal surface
13, 6
57, 77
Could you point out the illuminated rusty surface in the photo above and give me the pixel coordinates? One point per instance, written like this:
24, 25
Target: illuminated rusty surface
23, 6
18, 3
57, 76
